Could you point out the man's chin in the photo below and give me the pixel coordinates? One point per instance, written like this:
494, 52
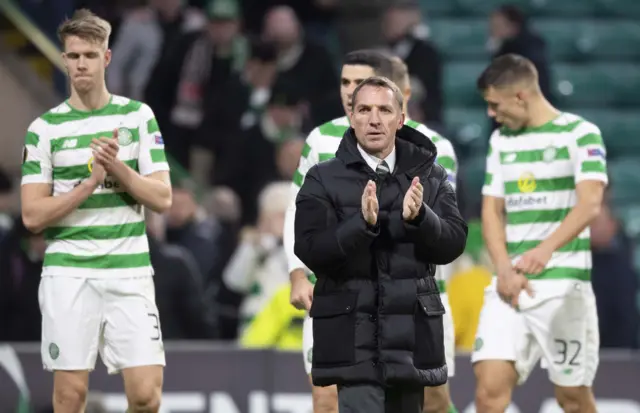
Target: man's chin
83, 85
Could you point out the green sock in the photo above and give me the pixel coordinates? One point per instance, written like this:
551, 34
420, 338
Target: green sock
452, 409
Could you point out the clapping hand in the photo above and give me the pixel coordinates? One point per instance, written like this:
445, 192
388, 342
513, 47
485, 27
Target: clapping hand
412, 200
105, 150
370, 204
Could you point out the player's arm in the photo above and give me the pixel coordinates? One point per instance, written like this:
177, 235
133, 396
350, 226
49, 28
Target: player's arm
493, 225
308, 158
152, 186
448, 160
40, 208
590, 172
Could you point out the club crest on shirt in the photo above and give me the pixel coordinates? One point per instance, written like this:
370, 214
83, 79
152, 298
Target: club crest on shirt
125, 137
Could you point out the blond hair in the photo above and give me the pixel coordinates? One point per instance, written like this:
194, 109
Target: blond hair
87, 26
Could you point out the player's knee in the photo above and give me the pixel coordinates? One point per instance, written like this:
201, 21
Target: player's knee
69, 397
436, 400
325, 399
491, 397
146, 399
573, 399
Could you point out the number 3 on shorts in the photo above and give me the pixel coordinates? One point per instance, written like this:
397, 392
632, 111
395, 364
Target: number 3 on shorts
155, 327
568, 352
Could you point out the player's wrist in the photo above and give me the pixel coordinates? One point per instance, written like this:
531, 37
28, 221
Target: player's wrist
297, 275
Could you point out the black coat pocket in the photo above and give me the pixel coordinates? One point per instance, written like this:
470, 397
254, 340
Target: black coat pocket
429, 346
334, 329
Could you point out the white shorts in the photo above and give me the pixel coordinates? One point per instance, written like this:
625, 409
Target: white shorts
449, 339
561, 330
116, 317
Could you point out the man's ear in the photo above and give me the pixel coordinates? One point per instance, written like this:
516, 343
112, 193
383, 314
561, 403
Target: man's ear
107, 57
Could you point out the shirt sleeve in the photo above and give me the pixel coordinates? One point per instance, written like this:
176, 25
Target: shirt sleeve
590, 155
448, 160
152, 157
36, 156
308, 158
493, 182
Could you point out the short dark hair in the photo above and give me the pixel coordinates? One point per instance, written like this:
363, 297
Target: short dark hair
513, 14
507, 70
375, 59
379, 81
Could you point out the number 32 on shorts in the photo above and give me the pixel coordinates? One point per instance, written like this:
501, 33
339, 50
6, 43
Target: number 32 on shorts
568, 352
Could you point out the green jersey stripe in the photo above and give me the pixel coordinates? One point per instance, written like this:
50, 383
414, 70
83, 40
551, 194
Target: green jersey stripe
152, 126
326, 156
79, 172
542, 185
576, 245
115, 261
298, 178
593, 166
488, 178
447, 163
53, 118
84, 141
112, 200
537, 216
306, 149
536, 155
590, 139
549, 127
329, 129
98, 232
32, 139
31, 168
158, 155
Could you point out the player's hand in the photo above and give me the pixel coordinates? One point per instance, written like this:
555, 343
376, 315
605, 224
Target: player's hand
105, 150
301, 290
98, 174
534, 261
412, 200
370, 204
510, 284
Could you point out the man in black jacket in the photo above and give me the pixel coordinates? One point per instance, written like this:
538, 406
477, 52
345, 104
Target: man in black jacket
372, 224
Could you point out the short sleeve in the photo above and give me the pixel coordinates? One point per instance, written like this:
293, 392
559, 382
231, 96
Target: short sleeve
493, 182
447, 159
152, 157
589, 155
36, 155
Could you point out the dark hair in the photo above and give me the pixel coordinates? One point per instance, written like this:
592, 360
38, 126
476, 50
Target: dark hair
505, 71
378, 81
375, 59
513, 14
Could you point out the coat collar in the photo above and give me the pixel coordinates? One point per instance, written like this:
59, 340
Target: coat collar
413, 150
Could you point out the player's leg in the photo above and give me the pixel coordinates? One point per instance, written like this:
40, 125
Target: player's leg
325, 399
502, 356
438, 399
133, 341
572, 349
71, 318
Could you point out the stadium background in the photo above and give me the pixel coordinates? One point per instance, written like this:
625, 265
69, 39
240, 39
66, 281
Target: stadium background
590, 50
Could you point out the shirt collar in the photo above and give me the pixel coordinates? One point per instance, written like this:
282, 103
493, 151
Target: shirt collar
373, 162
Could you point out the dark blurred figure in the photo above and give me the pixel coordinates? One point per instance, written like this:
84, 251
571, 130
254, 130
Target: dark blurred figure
407, 36
213, 58
238, 106
187, 311
510, 33
287, 157
146, 36
307, 64
615, 282
21, 256
7, 197
281, 121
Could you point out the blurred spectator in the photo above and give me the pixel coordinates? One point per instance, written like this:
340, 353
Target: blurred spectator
145, 36
615, 282
185, 309
21, 256
287, 157
259, 266
408, 38
239, 105
303, 62
187, 226
258, 147
510, 33
218, 53
7, 201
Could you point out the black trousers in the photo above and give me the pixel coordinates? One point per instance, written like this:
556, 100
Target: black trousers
374, 399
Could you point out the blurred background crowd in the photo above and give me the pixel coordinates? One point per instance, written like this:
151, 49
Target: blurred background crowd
237, 84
